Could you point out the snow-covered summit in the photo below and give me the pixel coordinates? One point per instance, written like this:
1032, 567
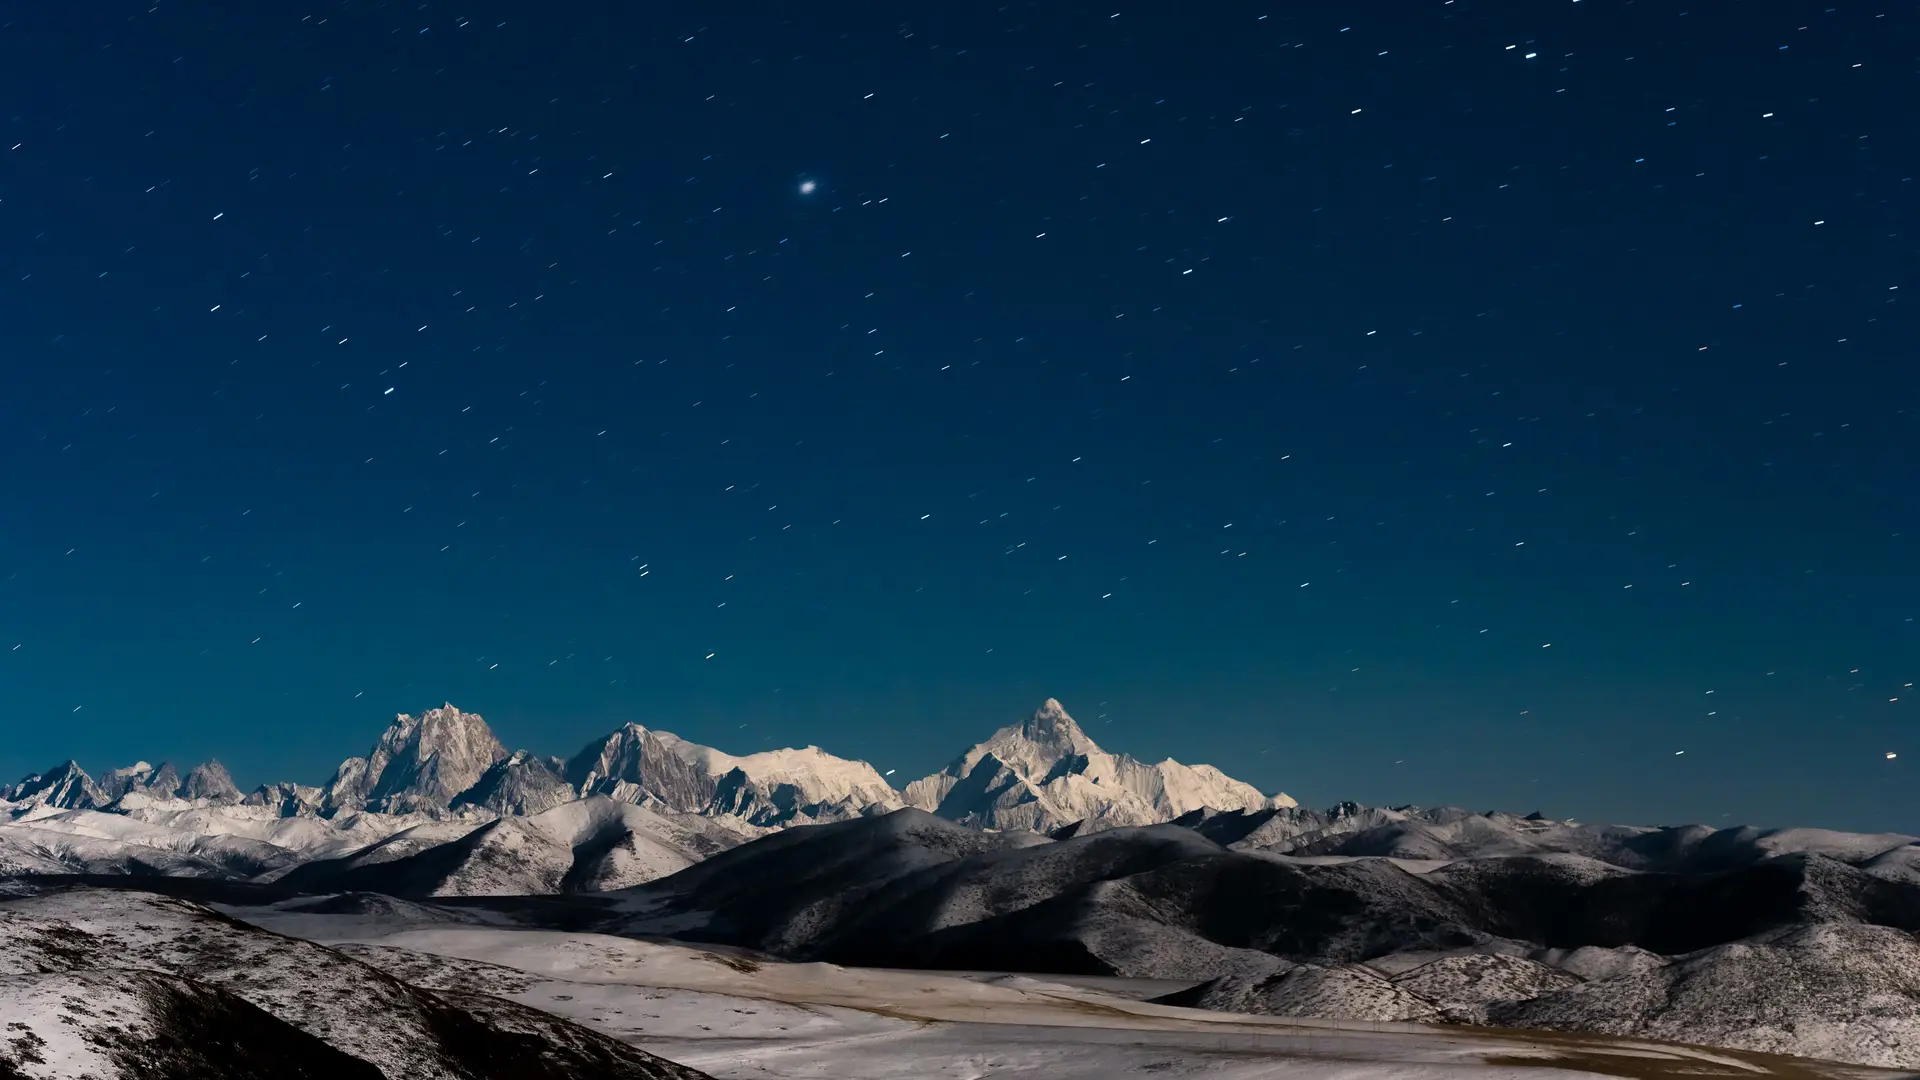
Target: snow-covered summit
419, 763
776, 787
209, 781
288, 799
633, 764
816, 776
521, 783
1046, 772
64, 787
160, 781
1038, 743
118, 782
68, 787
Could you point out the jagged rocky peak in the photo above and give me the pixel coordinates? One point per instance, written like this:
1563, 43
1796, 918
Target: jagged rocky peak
775, 787
142, 784
64, 787
287, 799
1051, 726
420, 764
633, 764
118, 782
163, 782
139, 778
210, 781
520, 783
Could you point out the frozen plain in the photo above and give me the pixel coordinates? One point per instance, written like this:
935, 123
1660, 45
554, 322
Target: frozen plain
737, 1017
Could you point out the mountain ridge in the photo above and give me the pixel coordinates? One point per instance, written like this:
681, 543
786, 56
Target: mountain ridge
1042, 773
1046, 773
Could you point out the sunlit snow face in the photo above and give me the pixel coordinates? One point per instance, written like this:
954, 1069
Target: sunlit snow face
807, 187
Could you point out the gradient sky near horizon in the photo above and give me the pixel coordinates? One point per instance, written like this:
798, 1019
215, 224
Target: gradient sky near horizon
1510, 405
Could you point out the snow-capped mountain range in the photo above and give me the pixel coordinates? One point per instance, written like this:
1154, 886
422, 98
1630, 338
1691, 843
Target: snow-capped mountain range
1034, 851
436, 777
68, 787
1042, 774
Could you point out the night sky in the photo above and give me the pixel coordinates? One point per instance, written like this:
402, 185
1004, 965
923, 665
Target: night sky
1510, 405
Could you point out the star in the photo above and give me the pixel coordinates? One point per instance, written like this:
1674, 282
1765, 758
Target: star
807, 187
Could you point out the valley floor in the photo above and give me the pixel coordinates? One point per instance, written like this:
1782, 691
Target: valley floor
739, 1018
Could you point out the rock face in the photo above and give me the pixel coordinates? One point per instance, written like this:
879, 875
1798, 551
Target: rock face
209, 781
289, 800
777, 787
420, 763
63, 787
520, 783
633, 764
1047, 774
140, 777
585, 845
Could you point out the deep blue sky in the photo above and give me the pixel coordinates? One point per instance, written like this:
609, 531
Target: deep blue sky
1460, 402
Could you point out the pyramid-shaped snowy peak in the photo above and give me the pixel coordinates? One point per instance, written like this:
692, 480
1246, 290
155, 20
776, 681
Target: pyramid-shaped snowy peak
1047, 772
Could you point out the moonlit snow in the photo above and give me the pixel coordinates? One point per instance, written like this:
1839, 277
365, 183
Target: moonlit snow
1041, 907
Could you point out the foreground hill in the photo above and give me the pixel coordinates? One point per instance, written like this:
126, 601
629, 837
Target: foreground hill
1791, 951
113, 984
751, 1018
107, 1024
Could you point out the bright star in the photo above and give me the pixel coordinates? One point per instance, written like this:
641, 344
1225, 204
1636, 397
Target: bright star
807, 186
